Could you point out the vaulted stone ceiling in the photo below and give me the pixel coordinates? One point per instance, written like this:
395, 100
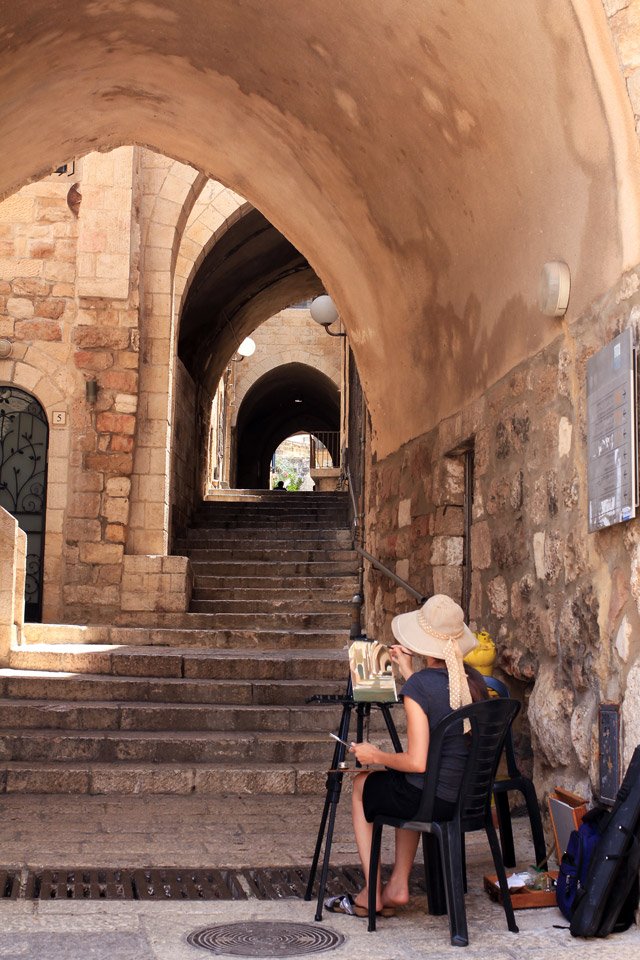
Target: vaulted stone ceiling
426, 157
249, 275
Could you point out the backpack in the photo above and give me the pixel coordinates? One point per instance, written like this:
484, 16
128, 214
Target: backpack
575, 861
606, 899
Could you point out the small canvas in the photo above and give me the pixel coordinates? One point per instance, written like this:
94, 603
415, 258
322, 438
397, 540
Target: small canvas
372, 672
566, 810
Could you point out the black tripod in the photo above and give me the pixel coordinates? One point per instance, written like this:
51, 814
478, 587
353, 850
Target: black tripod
335, 775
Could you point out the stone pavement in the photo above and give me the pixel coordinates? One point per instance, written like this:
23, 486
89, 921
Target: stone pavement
240, 831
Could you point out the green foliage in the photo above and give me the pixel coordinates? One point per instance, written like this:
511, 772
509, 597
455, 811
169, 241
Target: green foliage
292, 479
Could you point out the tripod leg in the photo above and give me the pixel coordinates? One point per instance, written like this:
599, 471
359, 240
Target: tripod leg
316, 856
325, 863
391, 727
333, 788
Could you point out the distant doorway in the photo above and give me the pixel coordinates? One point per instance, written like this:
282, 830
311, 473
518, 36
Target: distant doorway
24, 439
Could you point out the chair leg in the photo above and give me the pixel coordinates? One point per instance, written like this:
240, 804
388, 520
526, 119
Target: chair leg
502, 876
433, 878
537, 831
372, 879
451, 841
501, 799
463, 844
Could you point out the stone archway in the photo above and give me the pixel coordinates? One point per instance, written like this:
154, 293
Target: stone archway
508, 120
288, 399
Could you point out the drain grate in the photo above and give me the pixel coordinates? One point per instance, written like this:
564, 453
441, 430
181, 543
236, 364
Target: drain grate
158, 883
188, 885
265, 939
9, 885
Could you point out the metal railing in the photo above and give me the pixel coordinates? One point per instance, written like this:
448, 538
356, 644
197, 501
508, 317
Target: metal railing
324, 449
419, 597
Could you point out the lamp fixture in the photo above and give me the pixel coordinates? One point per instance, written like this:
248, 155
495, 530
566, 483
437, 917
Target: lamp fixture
554, 289
246, 349
91, 391
324, 311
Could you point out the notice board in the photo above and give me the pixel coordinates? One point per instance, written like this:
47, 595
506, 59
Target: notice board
611, 433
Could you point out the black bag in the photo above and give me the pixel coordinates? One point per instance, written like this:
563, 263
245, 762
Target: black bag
608, 900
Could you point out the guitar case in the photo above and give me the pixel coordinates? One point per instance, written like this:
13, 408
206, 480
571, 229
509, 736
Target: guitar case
609, 898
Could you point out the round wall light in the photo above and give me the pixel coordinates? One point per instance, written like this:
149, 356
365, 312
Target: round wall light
323, 311
554, 288
5, 349
247, 348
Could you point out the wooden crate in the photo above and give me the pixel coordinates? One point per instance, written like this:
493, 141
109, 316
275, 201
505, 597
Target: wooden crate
523, 899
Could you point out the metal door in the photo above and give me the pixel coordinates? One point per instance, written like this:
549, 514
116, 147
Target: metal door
24, 437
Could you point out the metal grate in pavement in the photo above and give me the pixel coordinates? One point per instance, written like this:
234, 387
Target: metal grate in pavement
9, 885
86, 883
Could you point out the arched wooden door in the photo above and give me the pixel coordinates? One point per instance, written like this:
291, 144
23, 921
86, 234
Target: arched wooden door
24, 438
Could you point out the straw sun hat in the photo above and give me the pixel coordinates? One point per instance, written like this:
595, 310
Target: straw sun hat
438, 630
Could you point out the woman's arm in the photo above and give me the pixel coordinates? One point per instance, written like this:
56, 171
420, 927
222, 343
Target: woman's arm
414, 758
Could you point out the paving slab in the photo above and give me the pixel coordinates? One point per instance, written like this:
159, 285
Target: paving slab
236, 831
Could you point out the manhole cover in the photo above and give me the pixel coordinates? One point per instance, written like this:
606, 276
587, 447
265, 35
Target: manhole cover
258, 939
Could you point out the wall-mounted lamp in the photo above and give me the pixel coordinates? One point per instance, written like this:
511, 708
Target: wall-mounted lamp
91, 391
324, 311
246, 349
6, 347
554, 289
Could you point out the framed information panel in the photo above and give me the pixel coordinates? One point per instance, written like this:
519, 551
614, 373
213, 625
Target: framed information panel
611, 433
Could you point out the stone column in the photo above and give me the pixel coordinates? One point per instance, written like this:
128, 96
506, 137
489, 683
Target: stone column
13, 552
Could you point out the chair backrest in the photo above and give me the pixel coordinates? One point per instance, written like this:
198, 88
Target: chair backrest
502, 690
490, 722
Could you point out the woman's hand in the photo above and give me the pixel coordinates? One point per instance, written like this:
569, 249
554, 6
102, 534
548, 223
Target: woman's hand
365, 752
403, 658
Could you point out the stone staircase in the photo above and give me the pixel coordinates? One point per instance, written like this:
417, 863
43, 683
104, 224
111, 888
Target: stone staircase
212, 701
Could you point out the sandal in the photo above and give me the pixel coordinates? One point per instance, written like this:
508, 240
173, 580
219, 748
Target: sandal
343, 904
346, 904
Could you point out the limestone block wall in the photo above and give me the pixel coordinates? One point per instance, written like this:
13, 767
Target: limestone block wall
13, 554
38, 313
70, 305
186, 452
563, 605
291, 336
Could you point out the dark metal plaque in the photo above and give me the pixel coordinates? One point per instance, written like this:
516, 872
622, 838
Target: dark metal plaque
611, 433
609, 756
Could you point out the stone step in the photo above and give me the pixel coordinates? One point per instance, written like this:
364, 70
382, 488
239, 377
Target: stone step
275, 568
317, 603
280, 619
344, 584
201, 621
254, 553
58, 634
224, 778
277, 598
128, 661
311, 539
248, 494
192, 746
137, 716
84, 687
274, 523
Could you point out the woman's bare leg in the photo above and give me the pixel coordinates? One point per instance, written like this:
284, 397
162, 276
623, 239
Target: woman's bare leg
396, 891
363, 831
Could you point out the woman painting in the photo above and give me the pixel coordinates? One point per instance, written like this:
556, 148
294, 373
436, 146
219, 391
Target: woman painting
438, 633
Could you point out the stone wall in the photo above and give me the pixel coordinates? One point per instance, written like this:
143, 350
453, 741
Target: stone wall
562, 604
185, 453
291, 336
13, 554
